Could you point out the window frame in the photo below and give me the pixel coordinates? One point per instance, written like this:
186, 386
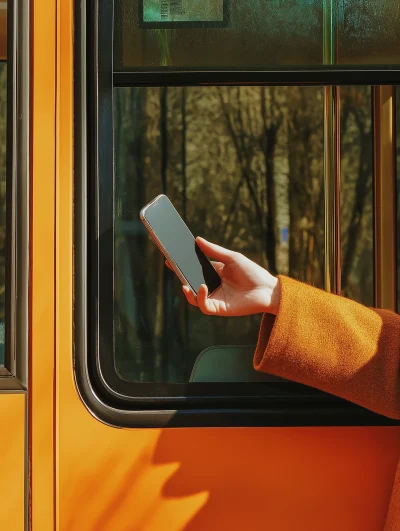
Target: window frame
14, 374
111, 399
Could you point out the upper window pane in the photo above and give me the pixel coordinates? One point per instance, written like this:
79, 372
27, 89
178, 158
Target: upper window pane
255, 33
3, 31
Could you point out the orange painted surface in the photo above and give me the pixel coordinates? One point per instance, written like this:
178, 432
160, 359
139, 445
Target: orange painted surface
280, 479
41, 379
12, 461
194, 479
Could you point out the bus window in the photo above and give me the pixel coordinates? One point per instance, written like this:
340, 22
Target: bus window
3, 138
244, 167
243, 34
14, 196
256, 119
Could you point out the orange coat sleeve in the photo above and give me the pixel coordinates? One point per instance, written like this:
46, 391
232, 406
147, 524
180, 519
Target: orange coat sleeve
333, 344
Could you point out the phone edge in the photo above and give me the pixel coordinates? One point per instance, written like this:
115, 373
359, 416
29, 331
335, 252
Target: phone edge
164, 251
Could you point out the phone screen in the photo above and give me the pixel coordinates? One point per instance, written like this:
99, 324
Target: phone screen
173, 234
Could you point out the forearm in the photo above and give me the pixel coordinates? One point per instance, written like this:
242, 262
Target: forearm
334, 344
272, 296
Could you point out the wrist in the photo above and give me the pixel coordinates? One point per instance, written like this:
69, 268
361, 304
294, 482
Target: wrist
274, 295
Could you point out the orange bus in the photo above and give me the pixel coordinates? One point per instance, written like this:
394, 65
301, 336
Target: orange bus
274, 127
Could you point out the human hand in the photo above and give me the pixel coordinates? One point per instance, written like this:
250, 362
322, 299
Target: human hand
246, 287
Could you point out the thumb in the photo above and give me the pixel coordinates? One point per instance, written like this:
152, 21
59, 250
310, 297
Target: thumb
215, 251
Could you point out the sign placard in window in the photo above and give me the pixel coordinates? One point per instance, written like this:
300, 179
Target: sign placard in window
183, 13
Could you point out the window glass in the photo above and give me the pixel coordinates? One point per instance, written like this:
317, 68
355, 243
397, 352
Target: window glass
356, 222
3, 139
244, 167
367, 30
255, 33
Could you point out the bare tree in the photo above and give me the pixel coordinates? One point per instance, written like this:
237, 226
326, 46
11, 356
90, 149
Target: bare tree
254, 134
305, 186
356, 120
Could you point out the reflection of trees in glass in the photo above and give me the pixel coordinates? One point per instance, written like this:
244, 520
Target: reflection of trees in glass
356, 194
264, 33
260, 33
244, 166
253, 124
134, 329
369, 31
305, 195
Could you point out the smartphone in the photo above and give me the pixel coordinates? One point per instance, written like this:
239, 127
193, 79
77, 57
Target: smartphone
178, 245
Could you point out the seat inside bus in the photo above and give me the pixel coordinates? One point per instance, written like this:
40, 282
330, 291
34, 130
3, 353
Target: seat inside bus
228, 363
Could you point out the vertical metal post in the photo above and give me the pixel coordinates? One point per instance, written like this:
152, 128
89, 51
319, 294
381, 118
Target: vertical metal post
384, 198
332, 267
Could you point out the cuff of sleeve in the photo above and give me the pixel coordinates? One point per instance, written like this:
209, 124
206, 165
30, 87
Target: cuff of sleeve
272, 337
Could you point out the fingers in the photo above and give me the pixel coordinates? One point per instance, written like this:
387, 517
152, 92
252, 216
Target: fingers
218, 266
189, 295
202, 300
215, 251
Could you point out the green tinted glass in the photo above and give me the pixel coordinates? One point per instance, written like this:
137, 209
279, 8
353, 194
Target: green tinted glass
178, 13
255, 33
